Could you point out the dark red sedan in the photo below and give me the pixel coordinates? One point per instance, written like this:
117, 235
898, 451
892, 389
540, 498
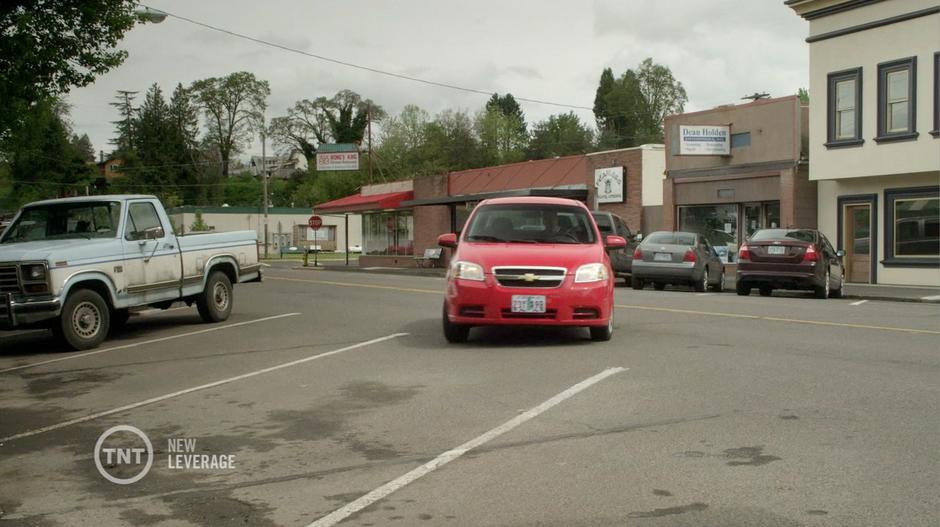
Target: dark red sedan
801, 259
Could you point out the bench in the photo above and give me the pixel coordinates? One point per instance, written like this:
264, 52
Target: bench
430, 258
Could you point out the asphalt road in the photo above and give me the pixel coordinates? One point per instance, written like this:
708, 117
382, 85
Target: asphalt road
339, 401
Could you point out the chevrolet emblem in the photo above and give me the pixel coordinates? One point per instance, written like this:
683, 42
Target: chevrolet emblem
529, 277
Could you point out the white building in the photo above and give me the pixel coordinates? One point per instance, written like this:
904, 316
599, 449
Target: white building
874, 139
280, 167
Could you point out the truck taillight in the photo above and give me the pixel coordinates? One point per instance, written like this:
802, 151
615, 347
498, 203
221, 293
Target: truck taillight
811, 255
744, 253
689, 256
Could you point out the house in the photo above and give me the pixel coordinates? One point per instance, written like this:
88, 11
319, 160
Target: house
874, 130
279, 166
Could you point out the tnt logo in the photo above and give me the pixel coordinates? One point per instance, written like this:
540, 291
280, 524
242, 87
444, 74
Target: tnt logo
128, 452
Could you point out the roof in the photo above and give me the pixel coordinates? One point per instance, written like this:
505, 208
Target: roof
337, 148
103, 197
359, 203
577, 192
535, 200
191, 209
544, 173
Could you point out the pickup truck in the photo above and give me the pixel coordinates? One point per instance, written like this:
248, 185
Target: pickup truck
79, 265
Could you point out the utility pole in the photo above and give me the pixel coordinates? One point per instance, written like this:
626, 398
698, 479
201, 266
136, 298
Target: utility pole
264, 179
369, 121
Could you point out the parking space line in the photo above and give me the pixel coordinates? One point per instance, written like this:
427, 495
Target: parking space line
381, 492
197, 388
152, 341
352, 284
860, 302
780, 319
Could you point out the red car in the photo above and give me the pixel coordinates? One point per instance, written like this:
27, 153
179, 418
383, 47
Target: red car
530, 262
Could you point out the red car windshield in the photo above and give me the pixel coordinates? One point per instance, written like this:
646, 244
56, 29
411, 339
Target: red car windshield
530, 223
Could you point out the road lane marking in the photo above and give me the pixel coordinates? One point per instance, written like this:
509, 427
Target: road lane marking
860, 302
364, 501
353, 284
932, 298
152, 341
197, 388
649, 308
780, 319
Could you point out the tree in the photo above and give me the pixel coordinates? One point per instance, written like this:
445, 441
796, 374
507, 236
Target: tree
233, 106
49, 46
630, 110
84, 147
803, 94
559, 135
124, 103
501, 139
508, 106
184, 142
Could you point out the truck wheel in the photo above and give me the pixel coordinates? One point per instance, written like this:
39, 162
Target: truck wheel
659, 286
215, 302
85, 320
637, 283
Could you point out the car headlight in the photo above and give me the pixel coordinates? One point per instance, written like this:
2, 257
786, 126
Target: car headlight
595, 272
467, 271
35, 272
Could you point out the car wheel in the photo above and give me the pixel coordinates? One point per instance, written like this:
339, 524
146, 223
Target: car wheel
637, 283
766, 291
720, 285
742, 289
454, 333
836, 293
659, 286
822, 292
702, 285
602, 333
215, 302
85, 320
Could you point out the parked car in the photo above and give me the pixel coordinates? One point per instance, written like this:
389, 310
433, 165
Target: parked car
670, 258
621, 260
800, 259
530, 262
78, 265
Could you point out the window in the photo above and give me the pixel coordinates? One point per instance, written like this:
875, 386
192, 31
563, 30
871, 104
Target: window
141, 218
718, 223
65, 221
528, 223
913, 226
388, 234
936, 95
741, 140
844, 108
897, 106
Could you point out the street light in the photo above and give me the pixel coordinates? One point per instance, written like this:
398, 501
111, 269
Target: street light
149, 14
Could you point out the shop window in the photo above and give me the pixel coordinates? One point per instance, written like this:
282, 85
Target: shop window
844, 108
897, 98
388, 234
741, 140
717, 223
913, 227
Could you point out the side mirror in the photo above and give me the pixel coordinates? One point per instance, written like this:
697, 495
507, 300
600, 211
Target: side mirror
840, 253
612, 243
153, 233
638, 237
447, 240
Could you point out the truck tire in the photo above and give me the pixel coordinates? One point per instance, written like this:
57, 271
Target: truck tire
85, 320
215, 302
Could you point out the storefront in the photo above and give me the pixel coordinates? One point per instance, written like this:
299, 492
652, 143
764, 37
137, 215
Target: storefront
734, 170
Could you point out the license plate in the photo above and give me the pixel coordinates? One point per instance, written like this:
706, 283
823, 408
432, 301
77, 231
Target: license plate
528, 304
662, 257
776, 249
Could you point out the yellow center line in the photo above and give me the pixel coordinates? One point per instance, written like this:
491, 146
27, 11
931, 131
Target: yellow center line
780, 319
625, 306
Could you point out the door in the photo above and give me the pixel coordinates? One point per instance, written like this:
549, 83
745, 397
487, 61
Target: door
857, 241
151, 257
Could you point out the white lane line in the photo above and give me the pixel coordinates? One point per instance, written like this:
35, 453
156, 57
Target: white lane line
265, 264
355, 506
196, 389
931, 298
860, 302
703, 294
152, 341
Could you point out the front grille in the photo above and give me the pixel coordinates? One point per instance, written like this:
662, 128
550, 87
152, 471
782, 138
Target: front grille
549, 314
543, 277
9, 279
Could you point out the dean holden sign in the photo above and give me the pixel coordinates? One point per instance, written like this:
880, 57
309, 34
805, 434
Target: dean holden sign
709, 140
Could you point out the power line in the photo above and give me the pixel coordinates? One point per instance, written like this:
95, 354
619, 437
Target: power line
358, 66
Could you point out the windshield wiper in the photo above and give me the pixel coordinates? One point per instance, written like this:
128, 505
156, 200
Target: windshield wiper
522, 241
484, 238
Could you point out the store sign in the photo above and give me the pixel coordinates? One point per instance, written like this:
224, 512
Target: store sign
337, 161
710, 140
609, 184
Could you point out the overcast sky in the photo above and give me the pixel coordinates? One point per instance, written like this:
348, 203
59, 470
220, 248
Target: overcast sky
550, 50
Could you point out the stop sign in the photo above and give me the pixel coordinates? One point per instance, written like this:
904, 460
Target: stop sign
315, 222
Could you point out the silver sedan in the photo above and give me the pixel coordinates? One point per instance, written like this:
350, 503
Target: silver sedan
666, 258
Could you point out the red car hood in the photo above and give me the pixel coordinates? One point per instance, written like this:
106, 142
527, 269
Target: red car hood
569, 256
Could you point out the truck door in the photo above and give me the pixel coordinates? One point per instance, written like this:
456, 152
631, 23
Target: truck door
151, 256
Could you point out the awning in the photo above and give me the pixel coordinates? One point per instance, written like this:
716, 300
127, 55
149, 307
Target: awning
578, 192
360, 203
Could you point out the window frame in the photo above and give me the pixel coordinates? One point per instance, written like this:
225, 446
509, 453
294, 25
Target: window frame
905, 194
909, 64
936, 95
130, 226
831, 80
